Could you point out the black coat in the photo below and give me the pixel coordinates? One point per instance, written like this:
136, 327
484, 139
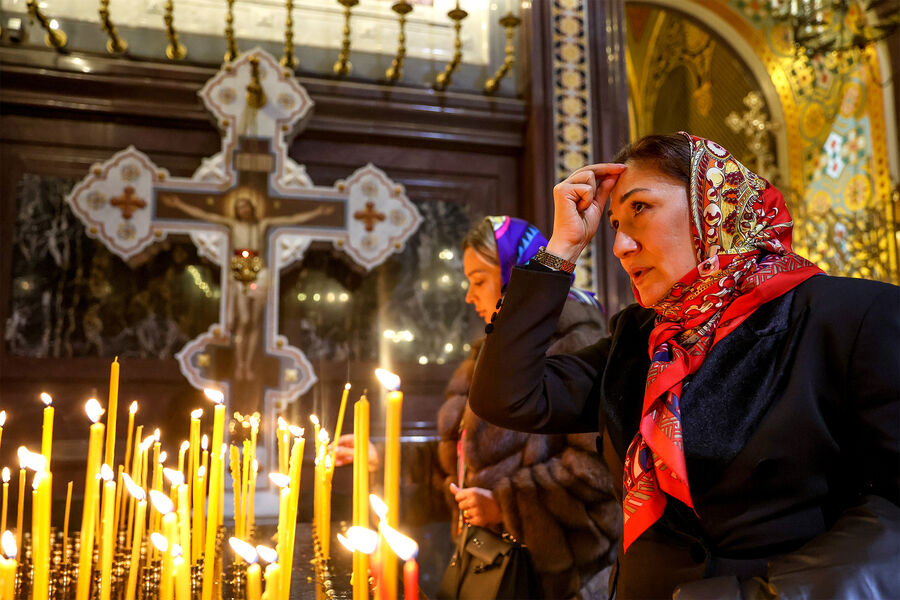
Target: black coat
790, 420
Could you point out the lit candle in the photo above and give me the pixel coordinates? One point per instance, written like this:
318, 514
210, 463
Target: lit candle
282, 481
362, 542
325, 516
391, 470
254, 469
2, 422
47, 429
111, 415
340, 421
161, 543
181, 452
136, 492
66, 523
88, 518
5, 497
21, 506
40, 521
182, 575
380, 510
295, 464
282, 445
249, 555
107, 535
212, 519
164, 506
196, 498
406, 549
132, 410
235, 464
8, 566
361, 494
272, 576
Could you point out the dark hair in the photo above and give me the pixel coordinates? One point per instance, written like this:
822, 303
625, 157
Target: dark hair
481, 239
669, 154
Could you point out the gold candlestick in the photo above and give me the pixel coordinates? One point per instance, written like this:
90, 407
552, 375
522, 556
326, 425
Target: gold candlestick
342, 66
175, 50
115, 44
395, 71
444, 78
509, 22
55, 37
232, 52
288, 60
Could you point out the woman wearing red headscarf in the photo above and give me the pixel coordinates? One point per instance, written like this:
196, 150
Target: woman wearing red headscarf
751, 403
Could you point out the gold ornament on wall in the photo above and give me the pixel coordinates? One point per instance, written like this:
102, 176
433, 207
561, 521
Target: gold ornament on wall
509, 22
55, 38
232, 52
342, 66
395, 71
288, 60
175, 50
445, 78
756, 127
115, 44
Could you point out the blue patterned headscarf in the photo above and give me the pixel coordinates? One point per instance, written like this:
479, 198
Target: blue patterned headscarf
517, 242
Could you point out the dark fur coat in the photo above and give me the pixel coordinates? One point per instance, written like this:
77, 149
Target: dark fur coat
555, 492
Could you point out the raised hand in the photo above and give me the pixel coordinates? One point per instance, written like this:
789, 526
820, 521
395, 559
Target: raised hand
477, 506
578, 202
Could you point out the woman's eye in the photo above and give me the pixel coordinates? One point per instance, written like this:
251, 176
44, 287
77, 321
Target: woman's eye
638, 207
614, 224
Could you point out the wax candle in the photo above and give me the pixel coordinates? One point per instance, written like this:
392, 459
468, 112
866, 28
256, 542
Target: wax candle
113, 408
184, 517
132, 410
66, 523
181, 452
47, 428
391, 470
136, 492
212, 520
249, 555
282, 481
107, 535
40, 521
5, 498
161, 544
235, 464
295, 465
21, 506
245, 484
2, 422
182, 577
406, 549
325, 516
361, 494
254, 470
164, 506
339, 427
8, 566
282, 445
88, 518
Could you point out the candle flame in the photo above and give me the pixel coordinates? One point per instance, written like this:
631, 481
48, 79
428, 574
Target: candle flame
282, 424
106, 473
161, 502
363, 539
46, 398
177, 551
201, 471
148, 441
296, 431
323, 436
8, 542
403, 546
196, 413
346, 543
314, 419
243, 549
215, 395
245, 253
160, 541
388, 379
94, 410
2, 418
31, 460
254, 421
174, 476
267, 554
280, 479
185, 445
347, 386
255, 465
132, 409
378, 506
136, 491
163, 456
204, 442
157, 434
5, 474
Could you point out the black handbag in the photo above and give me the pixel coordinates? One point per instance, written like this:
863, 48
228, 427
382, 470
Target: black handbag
485, 566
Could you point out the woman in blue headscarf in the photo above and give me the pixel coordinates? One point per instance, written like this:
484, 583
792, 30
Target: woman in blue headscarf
550, 492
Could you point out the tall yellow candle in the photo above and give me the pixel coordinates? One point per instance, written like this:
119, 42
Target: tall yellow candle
283, 482
163, 505
340, 420
107, 535
249, 555
40, 521
254, 469
235, 464
88, 518
184, 518
296, 464
361, 495
245, 485
5, 498
129, 434
136, 492
47, 429
181, 452
8, 566
273, 581
2, 422
212, 519
199, 514
182, 578
66, 523
161, 545
393, 424
21, 506
113, 407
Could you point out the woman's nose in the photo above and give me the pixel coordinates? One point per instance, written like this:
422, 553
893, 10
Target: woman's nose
624, 244
470, 297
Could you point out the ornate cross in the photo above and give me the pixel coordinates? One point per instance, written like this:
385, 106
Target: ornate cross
128, 202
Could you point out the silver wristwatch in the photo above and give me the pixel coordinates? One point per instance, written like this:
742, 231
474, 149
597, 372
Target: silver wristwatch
553, 262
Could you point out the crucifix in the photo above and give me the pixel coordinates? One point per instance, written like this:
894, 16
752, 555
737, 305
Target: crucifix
253, 211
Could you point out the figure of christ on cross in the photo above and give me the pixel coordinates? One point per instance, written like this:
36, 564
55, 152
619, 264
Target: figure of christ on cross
247, 231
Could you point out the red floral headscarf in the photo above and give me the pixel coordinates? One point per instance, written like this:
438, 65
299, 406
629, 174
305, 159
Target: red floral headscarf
742, 236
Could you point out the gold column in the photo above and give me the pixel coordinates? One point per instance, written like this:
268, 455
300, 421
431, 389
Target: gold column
342, 66
55, 37
509, 22
115, 44
175, 50
288, 59
446, 77
232, 52
395, 71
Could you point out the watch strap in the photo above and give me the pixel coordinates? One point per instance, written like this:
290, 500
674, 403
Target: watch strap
553, 262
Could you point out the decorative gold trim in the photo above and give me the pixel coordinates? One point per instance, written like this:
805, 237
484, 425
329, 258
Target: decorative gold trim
445, 78
256, 96
288, 59
115, 44
509, 22
395, 71
232, 52
55, 38
175, 50
342, 66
